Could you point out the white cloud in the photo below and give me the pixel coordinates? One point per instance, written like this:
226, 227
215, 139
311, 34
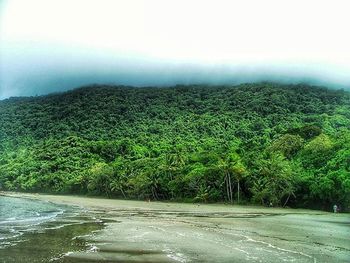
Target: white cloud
291, 33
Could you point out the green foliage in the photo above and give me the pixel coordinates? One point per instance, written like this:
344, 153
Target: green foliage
317, 152
264, 143
288, 145
273, 181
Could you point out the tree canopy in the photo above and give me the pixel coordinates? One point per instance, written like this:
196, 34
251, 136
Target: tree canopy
265, 143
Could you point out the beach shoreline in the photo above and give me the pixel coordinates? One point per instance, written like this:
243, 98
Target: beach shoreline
139, 231
98, 202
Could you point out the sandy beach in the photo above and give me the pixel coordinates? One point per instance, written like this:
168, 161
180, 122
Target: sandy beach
138, 231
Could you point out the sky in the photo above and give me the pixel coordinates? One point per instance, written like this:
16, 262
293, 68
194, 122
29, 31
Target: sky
55, 45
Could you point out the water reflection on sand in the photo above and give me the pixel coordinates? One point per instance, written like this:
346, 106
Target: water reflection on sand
136, 231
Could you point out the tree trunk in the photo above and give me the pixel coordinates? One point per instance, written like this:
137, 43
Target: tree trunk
231, 199
121, 190
172, 191
286, 200
154, 194
227, 188
238, 187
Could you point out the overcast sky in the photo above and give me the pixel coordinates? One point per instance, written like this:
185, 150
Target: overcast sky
53, 45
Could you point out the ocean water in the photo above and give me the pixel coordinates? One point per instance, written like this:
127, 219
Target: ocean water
20, 215
38, 231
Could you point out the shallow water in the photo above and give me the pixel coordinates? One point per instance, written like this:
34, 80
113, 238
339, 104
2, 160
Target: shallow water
39, 231
18, 216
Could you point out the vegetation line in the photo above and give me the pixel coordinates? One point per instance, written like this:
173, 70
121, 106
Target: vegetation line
280, 145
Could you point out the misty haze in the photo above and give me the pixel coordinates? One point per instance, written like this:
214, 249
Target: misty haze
174, 131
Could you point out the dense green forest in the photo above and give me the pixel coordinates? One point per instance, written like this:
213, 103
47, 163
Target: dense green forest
285, 145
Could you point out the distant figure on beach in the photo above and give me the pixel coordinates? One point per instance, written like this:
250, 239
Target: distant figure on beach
335, 208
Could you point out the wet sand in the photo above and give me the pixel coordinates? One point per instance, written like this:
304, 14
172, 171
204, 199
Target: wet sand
137, 231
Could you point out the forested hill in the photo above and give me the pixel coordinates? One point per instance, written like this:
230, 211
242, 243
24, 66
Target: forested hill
257, 143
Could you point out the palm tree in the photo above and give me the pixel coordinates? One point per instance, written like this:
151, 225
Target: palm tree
232, 166
224, 165
239, 172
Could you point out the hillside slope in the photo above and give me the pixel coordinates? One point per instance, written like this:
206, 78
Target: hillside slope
264, 143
